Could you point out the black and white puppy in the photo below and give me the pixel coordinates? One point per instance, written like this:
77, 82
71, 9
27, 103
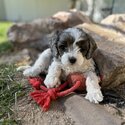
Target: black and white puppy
70, 51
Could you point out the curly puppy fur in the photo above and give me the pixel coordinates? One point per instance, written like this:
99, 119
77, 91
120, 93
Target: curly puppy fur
70, 51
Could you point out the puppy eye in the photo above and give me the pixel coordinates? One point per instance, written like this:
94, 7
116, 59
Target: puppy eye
62, 47
82, 50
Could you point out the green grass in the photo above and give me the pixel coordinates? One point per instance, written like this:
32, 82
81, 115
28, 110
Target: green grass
10, 90
10, 87
5, 45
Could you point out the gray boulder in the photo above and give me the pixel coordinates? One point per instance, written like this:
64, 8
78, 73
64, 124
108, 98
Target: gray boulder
110, 56
16, 58
85, 113
116, 22
36, 30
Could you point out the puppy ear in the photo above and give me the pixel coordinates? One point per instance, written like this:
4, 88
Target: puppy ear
54, 38
91, 48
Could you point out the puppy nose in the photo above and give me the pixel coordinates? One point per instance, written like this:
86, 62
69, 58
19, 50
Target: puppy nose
72, 60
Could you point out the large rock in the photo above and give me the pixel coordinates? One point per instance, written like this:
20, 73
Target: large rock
85, 113
110, 57
36, 30
72, 18
115, 21
19, 58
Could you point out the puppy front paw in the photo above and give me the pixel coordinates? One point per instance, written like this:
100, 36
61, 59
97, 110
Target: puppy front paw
30, 72
22, 68
95, 96
52, 81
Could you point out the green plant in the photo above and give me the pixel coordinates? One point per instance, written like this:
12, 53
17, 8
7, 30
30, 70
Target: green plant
10, 90
4, 43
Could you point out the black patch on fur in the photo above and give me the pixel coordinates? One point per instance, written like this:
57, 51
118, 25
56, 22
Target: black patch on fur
65, 41
54, 38
61, 41
86, 44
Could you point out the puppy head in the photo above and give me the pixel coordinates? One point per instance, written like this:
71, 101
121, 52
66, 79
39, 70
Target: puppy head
72, 46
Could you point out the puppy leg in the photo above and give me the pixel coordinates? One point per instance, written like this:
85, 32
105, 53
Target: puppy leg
53, 76
40, 65
94, 93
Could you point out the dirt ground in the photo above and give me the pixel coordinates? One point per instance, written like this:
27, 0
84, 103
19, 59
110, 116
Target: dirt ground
30, 114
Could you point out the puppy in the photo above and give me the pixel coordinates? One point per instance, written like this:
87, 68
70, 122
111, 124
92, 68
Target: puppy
70, 51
